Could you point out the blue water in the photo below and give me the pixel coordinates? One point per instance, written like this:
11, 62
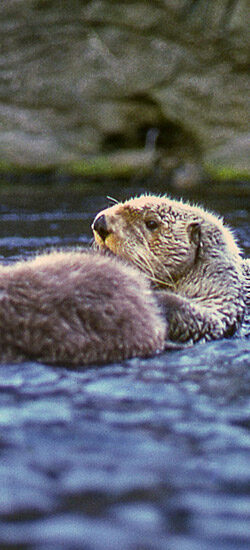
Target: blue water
144, 455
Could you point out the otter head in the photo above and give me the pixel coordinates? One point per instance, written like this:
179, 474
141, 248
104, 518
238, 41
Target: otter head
158, 235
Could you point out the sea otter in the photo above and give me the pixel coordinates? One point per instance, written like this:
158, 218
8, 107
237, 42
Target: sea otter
189, 255
77, 308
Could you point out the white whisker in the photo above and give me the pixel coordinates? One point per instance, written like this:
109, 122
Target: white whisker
111, 199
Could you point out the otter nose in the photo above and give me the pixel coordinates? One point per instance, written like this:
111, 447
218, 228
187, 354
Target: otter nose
100, 226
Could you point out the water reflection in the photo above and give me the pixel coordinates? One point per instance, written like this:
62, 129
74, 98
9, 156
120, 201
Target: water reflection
150, 454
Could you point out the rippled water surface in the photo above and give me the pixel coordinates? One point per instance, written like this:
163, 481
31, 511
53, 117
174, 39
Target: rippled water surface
143, 455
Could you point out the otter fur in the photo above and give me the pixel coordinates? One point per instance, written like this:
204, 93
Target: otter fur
191, 258
77, 308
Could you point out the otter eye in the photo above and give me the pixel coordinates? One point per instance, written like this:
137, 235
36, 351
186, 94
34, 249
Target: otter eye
151, 224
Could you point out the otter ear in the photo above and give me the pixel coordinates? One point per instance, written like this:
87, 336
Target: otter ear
194, 232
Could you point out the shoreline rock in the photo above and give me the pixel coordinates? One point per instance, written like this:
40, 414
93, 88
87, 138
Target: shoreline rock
80, 90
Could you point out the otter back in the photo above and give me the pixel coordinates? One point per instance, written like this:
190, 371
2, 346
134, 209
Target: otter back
77, 308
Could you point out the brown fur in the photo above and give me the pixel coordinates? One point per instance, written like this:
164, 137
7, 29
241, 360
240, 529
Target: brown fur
191, 258
77, 308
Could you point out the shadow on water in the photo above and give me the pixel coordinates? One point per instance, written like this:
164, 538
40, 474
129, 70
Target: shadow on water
147, 454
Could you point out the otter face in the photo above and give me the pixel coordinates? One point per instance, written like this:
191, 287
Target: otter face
153, 233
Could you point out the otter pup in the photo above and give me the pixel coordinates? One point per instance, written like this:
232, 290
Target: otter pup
77, 308
190, 257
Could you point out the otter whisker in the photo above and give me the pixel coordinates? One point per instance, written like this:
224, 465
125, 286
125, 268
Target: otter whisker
143, 263
160, 282
151, 276
111, 199
142, 260
163, 267
144, 268
144, 257
146, 263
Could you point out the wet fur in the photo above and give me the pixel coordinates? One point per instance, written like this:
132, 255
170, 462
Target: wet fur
77, 308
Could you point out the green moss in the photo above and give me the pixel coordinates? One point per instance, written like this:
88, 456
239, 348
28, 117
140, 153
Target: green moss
103, 166
5, 166
119, 165
8, 167
98, 167
226, 172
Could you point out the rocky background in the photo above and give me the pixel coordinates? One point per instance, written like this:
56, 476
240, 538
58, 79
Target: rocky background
112, 87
